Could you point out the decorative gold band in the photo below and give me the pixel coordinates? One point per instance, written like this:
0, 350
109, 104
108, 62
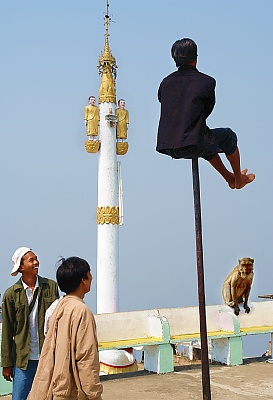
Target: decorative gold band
108, 215
107, 99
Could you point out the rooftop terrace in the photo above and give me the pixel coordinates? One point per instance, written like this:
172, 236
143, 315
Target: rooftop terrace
252, 380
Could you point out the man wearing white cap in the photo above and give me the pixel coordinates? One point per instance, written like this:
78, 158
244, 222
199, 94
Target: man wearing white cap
23, 311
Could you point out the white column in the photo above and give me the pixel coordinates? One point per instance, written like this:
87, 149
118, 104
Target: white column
108, 234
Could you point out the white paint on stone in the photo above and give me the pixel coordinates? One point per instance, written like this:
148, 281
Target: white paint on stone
108, 234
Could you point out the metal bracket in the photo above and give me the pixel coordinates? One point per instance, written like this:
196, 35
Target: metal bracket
111, 118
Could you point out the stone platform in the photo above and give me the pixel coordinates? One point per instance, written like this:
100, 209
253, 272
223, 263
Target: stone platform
252, 380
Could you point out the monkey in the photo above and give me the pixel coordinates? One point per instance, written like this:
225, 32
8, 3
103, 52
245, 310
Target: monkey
237, 285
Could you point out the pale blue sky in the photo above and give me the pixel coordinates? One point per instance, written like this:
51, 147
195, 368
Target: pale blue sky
49, 54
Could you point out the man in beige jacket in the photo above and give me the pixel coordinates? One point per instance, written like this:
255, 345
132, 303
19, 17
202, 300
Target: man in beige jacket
69, 365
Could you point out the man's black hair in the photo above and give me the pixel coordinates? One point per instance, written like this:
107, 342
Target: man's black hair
70, 273
184, 51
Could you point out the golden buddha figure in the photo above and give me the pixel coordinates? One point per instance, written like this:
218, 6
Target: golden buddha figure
123, 120
107, 91
92, 117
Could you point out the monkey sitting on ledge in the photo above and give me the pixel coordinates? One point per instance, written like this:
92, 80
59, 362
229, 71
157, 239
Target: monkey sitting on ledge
237, 285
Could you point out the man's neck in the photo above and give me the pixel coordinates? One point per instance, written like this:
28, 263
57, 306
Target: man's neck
193, 63
79, 292
30, 280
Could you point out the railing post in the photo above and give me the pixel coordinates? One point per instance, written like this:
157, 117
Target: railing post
201, 285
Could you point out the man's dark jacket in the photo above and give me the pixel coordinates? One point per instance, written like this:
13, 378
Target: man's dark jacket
187, 98
15, 344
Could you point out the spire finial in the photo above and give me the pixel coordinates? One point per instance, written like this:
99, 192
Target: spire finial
107, 20
107, 67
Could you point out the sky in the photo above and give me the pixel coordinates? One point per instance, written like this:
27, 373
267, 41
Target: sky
49, 55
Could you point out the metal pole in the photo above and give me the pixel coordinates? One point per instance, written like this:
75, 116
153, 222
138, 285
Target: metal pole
201, 285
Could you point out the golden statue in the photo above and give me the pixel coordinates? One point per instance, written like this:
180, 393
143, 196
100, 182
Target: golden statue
107, 69
92, 117
107, 91
123, 120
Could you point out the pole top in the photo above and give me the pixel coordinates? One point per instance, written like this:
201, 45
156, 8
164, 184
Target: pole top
107, 67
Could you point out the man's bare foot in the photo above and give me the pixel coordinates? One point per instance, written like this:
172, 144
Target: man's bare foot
231, 183
244, 179
230, 178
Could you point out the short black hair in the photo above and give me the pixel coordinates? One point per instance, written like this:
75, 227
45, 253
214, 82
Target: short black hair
184, 51
70, 273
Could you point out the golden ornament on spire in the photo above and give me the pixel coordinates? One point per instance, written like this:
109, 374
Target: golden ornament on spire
107, 68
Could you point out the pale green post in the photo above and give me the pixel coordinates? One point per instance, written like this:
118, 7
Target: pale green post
159, 358
165, 350
165, 359
236, 350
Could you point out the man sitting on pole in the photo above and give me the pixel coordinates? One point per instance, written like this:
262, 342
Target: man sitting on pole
187, 98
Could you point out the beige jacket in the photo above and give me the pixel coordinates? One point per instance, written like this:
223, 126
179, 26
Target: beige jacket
69, 363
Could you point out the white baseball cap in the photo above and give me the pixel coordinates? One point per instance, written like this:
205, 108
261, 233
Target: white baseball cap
16, 259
